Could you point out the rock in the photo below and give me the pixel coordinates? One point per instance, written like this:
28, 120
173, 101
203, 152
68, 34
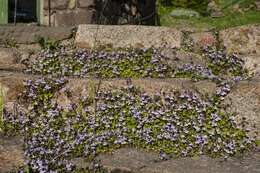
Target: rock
243, 39
244, 100
252, 64
73, 18
177, 58
12, 85
89, 36
184, 13
214, 9
10, 60
56, 5
127, 160
206, 88
11, 154
203, 164
257, 4
86, 3
203, 39
29, 34
132, 160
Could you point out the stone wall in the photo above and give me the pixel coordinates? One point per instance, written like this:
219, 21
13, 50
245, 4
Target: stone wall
75, 12
68, 12
243, 99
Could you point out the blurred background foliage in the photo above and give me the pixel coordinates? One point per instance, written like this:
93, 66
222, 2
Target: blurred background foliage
214, 14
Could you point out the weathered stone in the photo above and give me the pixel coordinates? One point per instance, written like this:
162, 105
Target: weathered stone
127, 160
89, 36
86, 3
205, 164
244, 100
242, 39
203, 39
206, 88
30, 34
177, 58
131, 160
56, 5
214, 9
11, 154
10, 60
12, 85
252, 64
73, 18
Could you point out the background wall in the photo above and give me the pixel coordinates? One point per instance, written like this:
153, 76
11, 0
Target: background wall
68, 12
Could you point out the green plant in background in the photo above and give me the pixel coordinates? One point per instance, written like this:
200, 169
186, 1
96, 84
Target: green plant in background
229, 3
197, 5
230, 18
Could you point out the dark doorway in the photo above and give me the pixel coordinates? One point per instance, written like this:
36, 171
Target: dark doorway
26, 11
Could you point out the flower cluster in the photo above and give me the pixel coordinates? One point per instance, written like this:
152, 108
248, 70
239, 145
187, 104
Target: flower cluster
174, 123
102, 63
132, 63
221, 63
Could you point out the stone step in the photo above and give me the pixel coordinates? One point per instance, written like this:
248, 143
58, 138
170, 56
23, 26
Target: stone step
28, 34
133, 160
89, 36
139, 161
243, 99
11, 154
242, 39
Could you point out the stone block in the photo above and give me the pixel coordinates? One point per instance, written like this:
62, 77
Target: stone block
89, 36
56, 5
73, 18
86, 3
242, 39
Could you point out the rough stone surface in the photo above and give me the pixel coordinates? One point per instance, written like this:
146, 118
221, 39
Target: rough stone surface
214, 9
252, 63
244, 99
126, 36
203, 39
129, 160
12, 85
86, 3
205, 164
10, 60
56, 5
242, 39
181, 57
72, 18
11, 154
29, 34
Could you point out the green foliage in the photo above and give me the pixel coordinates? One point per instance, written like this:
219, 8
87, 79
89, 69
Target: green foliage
229, 3
11, 43
258, 143
230, 18
47, 43
198, 5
